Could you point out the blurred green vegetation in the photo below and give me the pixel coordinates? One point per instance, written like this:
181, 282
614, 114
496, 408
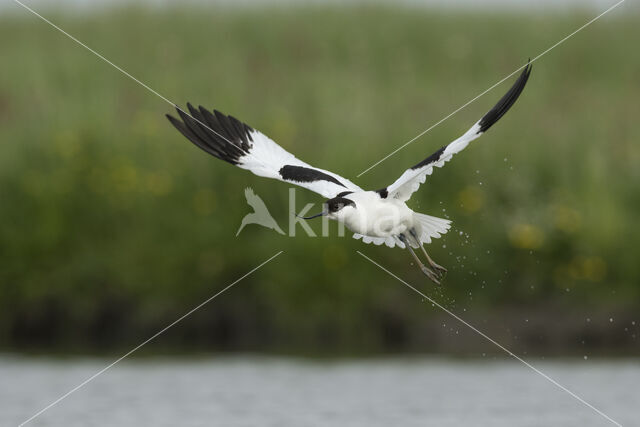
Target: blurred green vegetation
113, 225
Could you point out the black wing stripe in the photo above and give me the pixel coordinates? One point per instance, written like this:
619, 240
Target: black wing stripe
492, 116
506, 101
302, 174
431, 159
344, 193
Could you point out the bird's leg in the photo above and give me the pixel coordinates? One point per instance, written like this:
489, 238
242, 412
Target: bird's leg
440, 270
427, 271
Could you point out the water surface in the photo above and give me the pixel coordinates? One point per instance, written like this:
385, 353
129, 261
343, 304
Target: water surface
248, 391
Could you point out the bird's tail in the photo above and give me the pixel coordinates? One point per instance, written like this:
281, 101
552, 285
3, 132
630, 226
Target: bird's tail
428, 227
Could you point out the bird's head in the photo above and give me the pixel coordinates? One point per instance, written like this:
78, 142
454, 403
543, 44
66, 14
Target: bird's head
337, 208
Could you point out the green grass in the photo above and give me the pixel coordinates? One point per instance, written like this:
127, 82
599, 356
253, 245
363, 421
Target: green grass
113, 225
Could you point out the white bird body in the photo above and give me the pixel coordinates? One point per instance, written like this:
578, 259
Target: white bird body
376, 217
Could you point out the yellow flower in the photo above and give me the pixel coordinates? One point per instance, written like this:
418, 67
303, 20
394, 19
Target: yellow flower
591, 268
471, 199
526, 236
566, 219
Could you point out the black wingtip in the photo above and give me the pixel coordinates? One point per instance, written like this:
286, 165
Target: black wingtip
506, 101
216, 134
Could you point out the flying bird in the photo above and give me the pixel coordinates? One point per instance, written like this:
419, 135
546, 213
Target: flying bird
379, 217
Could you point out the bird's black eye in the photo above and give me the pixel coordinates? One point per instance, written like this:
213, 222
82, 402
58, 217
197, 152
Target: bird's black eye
334, 205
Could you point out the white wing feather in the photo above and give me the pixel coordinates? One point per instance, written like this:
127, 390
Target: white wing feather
266, 159
410, 180
237, 143
389, 241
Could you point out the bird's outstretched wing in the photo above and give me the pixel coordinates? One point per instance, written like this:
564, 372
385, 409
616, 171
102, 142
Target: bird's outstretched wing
411, 179
230, 140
